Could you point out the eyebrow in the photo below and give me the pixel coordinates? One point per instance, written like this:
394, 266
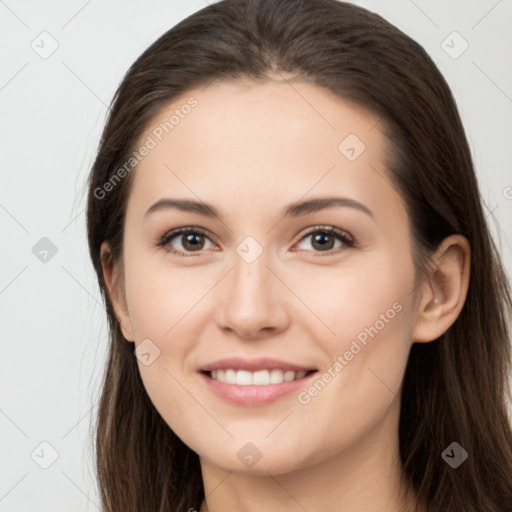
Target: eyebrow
291, 210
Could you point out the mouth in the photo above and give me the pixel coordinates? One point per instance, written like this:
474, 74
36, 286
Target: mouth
254, 388
256, 378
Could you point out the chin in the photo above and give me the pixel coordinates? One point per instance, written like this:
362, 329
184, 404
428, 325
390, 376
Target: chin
259, 458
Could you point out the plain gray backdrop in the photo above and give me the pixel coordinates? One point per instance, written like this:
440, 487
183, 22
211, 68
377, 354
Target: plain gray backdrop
61, 63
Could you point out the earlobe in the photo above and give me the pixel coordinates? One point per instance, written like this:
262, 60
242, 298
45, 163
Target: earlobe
443, 294
115, 291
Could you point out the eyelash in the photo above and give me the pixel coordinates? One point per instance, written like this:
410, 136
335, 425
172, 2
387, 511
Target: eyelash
344, 236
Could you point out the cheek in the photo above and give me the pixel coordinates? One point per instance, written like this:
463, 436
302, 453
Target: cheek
372, 317
362, 296
161, 298
354, 395
164, 304
369, 308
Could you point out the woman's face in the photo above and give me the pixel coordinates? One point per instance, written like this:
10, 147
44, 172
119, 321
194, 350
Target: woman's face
266, 279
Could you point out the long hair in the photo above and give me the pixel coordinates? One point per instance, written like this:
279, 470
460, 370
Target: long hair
455, 388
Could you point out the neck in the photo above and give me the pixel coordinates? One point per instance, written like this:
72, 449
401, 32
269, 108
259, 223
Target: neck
366, 476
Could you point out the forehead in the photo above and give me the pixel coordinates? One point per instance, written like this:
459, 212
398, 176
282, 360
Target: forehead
271, 116
255, 143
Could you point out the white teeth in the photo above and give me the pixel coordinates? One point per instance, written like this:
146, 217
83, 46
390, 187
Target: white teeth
276, 377
259, 378
289, 375
230, 376
243, 378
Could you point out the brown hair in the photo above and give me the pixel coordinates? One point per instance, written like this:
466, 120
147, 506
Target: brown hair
456, 387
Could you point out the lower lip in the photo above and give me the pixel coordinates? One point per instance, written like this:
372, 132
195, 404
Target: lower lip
253, 395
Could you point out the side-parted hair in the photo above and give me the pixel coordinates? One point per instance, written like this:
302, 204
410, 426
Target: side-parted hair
455, 388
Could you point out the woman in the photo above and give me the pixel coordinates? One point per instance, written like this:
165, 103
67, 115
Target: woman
306, 308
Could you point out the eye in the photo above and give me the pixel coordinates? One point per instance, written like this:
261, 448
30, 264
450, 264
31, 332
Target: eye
324, 238
192, 242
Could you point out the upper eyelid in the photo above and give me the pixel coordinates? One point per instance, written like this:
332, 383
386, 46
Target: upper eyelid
187, 229
332, 231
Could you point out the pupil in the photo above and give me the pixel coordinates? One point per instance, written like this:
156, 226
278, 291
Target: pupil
320, 237
189, 239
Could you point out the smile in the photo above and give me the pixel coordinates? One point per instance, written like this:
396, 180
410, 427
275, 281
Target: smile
258, 378
251, 389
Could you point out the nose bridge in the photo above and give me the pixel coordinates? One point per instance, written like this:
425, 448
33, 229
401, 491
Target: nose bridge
250, 281
251, 301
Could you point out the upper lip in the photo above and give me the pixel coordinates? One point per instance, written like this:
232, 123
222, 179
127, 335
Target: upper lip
262, 363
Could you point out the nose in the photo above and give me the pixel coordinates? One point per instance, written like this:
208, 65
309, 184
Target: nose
252, 300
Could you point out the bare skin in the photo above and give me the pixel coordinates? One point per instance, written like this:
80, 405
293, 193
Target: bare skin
248, 150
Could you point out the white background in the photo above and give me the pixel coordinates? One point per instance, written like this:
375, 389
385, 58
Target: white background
54, 334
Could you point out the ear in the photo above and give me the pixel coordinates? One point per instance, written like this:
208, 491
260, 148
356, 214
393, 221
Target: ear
443, 294
116, 292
